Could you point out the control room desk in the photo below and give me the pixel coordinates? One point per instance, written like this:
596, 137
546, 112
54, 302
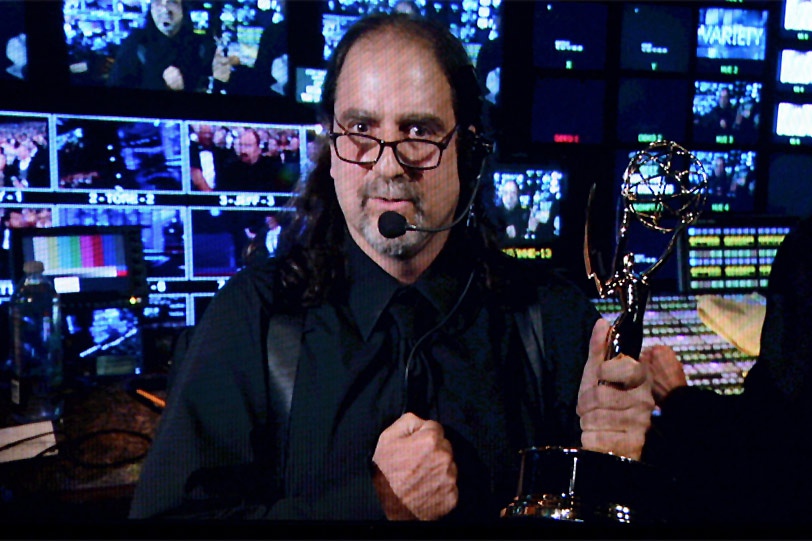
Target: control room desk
101, 440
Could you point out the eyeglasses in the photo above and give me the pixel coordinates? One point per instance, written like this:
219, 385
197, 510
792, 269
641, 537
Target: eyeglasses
362, 149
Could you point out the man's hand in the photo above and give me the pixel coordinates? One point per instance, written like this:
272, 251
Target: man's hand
666, 370
173, 78
416, 475
614, 401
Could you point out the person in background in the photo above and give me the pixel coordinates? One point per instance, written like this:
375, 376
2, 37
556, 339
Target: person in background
743, 460
165, 54
252, 172
358, 376
206, 159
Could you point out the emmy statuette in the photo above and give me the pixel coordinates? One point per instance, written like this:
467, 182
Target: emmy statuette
664, 189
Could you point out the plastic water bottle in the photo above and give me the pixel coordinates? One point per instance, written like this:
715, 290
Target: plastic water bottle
36, 341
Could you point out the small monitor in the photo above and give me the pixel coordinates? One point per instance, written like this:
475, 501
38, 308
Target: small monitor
731, 41
86, 264
726, 113
655, 37
731, 254
119, 154
796, 20
793, 123
570, 35
651, 110
731, 179
795, 71
525, 203
567, 110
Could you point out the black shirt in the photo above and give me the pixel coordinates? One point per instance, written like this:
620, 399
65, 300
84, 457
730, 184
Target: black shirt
466, 375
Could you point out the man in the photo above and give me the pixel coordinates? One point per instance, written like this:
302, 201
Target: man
164, 55
512, 218
753, 448
206, 159
252, 172
360, 377
31, 168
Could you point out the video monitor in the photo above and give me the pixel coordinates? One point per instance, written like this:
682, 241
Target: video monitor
726, 113
796, 20
567, 110
570, 35
477, 24
795, 71
731, 41
731, 179
85, 263
656, 37
261, 158
162, 232
118, 154
123, 44
793, 123
24, 159
222, 241
789, 187
13, 42
731, 254
525, 203
102, 341
651, 109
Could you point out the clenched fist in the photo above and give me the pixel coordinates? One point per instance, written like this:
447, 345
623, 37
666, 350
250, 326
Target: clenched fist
615, 400
416, 475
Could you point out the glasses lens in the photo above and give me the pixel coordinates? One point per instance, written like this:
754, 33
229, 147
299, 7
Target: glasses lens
420, 154
357, 148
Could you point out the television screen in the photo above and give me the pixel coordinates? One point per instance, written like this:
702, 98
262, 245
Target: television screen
309, 82
24, 147
726, 113
793, 123
118, 154
477, 23
84, 263
567, 110
570, 35
731, 41
14, 41
642, 119
246, 158
797, 18
656, 37
525, 204
124, 44
103, 341
789, 188
731, 179
795, 71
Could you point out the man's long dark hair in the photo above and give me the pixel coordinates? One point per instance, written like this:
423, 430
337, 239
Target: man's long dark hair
313, 244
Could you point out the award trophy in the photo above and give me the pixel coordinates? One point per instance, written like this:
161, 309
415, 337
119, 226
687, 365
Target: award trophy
664, 189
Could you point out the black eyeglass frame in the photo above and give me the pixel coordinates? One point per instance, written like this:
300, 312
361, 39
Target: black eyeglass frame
442, 144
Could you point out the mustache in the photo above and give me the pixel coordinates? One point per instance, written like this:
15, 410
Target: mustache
390, 190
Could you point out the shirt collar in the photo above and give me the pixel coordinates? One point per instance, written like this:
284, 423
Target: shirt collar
371, 288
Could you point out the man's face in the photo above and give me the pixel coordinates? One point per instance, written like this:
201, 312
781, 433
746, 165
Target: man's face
391, 88
205, 135
167, 15
510, 195
249, 148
